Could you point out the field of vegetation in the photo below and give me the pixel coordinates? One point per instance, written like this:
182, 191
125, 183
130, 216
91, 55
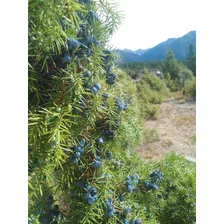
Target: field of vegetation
89, 121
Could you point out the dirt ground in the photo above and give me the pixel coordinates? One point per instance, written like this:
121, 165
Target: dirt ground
173, 130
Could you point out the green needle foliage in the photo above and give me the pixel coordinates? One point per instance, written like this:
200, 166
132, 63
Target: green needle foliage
84, 123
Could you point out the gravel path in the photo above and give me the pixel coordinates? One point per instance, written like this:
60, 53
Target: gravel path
175, 129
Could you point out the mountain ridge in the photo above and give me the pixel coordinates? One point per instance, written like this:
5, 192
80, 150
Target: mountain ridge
180, 47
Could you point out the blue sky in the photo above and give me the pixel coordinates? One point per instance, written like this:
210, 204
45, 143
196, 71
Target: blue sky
147, 22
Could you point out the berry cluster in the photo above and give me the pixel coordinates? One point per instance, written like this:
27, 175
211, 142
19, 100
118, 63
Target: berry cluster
93, 16
107, 126
73, 44
91, 194
78, 151
109, 211
129, 184
136, 221
96, 162
155, 176
96, 88
151, 186
87, 80
80, 49
110, 76
124, 215
121, 104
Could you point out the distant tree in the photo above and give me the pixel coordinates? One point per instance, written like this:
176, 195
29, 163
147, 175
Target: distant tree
135, 69
173, 85
185, 75
171, 65
191, 60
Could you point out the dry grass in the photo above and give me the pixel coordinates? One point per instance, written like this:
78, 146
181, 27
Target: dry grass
166, 143
151, 135
148, 151
174, 96
185, 119
174, 130
181, 101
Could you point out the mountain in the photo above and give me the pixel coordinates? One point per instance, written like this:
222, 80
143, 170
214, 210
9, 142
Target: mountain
128, 56
140, 51
180, 47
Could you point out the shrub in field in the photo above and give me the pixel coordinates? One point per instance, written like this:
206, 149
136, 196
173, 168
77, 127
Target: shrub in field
150, 93
185, 74
155, 98
154, 82
191, 88
149, 110
171, 65
147, 94
84, 123
179, 191
151, 135
173, 85
176, 84
149, 100
134, 74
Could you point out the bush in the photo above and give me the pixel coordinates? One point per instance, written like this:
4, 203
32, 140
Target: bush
173, 85
84, 123
132, 73
147, 95
184, 75
154, 82
180, 199
155, 97
151, 135
149, 100
191, 89
150, 91
149, 111
171, 65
